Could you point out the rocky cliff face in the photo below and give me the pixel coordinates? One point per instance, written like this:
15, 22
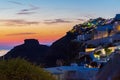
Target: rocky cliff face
111, 70
64, 49
31, 42
31, 50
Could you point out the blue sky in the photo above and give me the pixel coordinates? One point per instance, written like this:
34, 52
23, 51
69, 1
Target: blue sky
48, 20
63, 8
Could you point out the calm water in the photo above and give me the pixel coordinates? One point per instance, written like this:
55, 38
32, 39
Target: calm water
3, 52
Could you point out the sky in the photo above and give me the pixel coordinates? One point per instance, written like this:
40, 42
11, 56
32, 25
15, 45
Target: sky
47, 20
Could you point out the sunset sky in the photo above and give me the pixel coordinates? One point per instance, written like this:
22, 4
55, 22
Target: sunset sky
47, 20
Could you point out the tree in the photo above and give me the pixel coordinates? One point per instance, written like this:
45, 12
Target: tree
108, 51
98, 53
17, 69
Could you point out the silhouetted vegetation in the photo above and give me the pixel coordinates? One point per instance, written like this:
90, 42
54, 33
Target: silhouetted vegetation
97, 53
108, 51
17, 69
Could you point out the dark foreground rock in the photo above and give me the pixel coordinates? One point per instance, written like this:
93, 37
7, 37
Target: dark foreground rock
111, 71
31, 50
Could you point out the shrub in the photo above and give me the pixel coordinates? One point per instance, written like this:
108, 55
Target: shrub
108, 51
17, 69
98, 53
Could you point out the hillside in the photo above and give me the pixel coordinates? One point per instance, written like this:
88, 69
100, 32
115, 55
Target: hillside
82, 36
111, 70
67, 49
31, 50
64, 49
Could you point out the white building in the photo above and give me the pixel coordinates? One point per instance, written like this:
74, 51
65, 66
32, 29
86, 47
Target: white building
72, 72
84, 37
104, 31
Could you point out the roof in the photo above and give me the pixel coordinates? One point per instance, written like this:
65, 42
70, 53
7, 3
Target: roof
61, 69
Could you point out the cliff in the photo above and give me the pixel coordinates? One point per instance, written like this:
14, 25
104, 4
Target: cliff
31, 50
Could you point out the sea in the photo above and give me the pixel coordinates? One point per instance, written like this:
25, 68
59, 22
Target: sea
3, 52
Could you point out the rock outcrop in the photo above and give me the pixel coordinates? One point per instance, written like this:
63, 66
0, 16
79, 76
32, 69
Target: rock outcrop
111, 70
31, 50
64, 49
